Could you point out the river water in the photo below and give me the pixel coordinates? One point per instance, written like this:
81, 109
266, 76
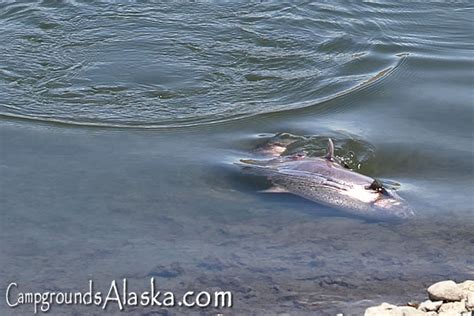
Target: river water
120, 124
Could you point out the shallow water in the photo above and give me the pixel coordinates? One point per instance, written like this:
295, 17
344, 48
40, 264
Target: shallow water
120, 124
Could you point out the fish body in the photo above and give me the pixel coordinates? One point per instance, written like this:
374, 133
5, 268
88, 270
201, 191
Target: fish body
324, 180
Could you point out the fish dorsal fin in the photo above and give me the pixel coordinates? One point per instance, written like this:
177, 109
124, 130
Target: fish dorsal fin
330, 152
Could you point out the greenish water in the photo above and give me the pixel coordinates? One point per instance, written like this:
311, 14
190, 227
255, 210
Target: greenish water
120, 123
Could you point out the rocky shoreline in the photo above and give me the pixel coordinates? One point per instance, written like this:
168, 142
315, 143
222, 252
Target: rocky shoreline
446, 298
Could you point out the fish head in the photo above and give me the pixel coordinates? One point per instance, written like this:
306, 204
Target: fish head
378, 203
390, 205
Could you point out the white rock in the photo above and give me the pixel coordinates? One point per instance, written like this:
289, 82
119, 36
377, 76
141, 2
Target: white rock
383, 309
450, 313
445, 291
467, 287
428, 306
453, 308
470, 301
386, 309
409, 311
431, 314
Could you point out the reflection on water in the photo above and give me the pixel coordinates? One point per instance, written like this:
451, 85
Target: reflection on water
391, 83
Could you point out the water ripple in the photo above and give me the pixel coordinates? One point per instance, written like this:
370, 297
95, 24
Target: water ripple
181, 64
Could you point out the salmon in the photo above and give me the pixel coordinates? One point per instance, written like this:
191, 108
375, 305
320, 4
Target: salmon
324, 180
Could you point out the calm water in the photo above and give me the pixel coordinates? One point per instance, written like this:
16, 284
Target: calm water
120, 124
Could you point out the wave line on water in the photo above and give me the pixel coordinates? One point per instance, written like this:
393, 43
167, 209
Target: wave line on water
377, 78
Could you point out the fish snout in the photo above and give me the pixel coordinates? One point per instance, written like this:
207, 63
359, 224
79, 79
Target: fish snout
394, 207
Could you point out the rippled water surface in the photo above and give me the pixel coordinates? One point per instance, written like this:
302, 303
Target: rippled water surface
120, 124
192, 63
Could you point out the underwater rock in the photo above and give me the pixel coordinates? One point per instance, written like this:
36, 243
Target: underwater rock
173, 271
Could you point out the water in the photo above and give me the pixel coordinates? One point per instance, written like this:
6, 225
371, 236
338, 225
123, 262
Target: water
120, 124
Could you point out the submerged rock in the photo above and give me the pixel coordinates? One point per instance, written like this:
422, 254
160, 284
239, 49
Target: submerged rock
445, 291
172, 271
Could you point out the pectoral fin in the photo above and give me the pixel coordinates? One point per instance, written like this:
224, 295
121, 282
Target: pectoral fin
274, 189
